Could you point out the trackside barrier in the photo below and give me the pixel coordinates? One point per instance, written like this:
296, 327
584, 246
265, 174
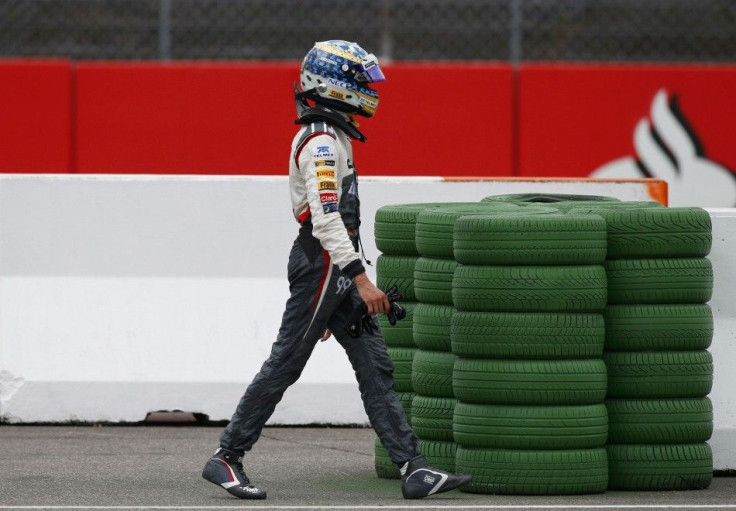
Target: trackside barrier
123, 295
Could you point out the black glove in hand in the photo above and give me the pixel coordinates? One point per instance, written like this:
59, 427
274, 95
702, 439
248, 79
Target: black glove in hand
397, 312
360, 321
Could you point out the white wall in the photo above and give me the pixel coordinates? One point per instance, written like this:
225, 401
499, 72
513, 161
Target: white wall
121, 295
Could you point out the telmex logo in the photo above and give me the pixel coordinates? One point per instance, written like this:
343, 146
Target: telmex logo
668, 148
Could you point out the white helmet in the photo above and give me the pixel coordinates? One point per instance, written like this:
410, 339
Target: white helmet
337, 73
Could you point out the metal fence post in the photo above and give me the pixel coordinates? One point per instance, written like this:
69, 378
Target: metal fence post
164, 30
516, 33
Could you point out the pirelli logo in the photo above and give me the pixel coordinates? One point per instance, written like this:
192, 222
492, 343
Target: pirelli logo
327, 185
325, 174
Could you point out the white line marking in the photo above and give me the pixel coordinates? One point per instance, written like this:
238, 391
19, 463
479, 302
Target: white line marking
389, 507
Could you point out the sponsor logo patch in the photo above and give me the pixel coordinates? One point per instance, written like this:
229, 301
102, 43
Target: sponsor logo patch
325, 59
328, 197
330, 208
338, 83
335, 94
325, 174
325, 163
324, 149
327, 185
368, 102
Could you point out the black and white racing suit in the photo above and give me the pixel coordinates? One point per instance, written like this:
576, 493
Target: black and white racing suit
323, 261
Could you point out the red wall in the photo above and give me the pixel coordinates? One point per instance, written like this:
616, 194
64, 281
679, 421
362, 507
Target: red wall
434, 119
184, 119
444, 120
573, 119
239, 119
35, 116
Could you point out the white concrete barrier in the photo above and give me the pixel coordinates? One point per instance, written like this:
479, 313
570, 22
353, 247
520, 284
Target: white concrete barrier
122, 295
723, 348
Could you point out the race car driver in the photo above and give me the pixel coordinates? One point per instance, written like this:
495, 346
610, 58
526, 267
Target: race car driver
327, 278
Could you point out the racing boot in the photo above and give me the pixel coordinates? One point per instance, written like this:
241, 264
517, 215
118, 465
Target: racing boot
420, 480
226, 469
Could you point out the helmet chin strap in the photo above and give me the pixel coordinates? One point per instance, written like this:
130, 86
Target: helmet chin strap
308, 114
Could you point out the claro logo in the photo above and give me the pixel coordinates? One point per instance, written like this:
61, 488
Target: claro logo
668, 148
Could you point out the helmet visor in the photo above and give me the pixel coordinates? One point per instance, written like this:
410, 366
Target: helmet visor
369, 71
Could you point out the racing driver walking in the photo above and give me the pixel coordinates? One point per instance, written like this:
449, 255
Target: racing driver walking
327, 279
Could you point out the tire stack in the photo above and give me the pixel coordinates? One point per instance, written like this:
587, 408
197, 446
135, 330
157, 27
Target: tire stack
658, 329
395, 238
394, 233
434, 403
528, 332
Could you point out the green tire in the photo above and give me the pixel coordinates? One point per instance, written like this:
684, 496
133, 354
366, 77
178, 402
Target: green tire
530, 288
660, 467
434, 227
659, 421
666, 281
431, 373
657, 232
400, 335
595, 206
394, 227
432, 417
432, 326
659, 375
531, 335
680, 327
547, 198
533, 472
402, 359
439, 454
399, 271
529, 382
433, 280
515, 239
530, 427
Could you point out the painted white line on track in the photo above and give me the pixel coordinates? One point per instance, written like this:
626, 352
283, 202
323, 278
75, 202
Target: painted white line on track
388, 507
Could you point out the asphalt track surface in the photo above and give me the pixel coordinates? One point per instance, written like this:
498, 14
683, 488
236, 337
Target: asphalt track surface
86, 467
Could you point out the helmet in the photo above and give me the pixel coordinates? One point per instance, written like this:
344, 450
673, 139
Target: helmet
337, 73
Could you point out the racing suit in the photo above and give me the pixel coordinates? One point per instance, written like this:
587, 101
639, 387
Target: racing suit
323, 261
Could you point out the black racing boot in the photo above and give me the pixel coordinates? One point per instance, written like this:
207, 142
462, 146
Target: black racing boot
420, 480
226, 469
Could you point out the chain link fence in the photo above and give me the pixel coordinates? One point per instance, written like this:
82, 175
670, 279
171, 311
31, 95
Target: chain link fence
502, 30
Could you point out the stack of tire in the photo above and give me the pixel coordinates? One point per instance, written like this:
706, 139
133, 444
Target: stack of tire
395, 237
658, 329
434, 403
423, 268
394, 233
528, 332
